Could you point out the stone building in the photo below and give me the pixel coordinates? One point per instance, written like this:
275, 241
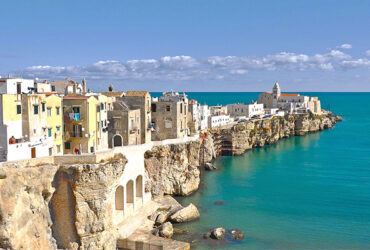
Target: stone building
169, 117
141, 100
124, 125
289, 102
218, 110
247, 110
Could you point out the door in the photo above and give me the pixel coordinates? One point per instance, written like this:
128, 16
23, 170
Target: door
19, 88
33, 152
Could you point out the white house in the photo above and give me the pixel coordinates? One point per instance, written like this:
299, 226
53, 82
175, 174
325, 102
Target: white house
247, 110
204, 113
218, 120
16, 86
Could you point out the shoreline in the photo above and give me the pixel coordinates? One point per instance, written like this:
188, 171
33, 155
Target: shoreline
197, 235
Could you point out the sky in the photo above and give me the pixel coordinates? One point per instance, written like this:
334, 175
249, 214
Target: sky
192, 45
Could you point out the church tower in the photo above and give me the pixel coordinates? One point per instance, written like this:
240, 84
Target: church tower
276, 91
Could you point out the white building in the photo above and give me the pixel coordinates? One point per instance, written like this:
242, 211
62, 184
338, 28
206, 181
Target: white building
289, 102
218, 120
204, 114
16, 86
247, 110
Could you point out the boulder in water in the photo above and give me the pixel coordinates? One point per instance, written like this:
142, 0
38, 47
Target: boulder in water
185, 214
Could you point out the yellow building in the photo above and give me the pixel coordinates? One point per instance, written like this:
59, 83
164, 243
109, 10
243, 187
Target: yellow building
84, 126
54, 122
29, 125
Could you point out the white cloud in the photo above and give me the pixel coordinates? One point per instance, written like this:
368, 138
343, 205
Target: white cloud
367, 52
189, 68
345, 46
358, 63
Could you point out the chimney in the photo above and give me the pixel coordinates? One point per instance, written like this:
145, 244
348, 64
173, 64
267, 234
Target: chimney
84, 86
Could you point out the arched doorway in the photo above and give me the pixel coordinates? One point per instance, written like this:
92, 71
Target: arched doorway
130, 193
139, 186
117, 141
119, 198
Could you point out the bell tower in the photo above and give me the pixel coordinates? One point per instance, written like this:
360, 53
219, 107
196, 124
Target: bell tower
276, 91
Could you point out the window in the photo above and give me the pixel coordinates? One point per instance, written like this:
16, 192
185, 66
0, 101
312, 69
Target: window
58, 148
92, 149
49, 112
76, 110
50, 151
53, 88
58, 129
154, 107
36, 109
77, 130
49, 132
58, 110
43, 107
102, 106
19, 109
67, 145
180, 108
168, 108
105, 122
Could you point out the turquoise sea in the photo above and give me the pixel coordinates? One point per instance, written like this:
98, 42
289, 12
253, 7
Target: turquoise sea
308, 192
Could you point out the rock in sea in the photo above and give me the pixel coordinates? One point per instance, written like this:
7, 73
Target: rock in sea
218, 233
166, 230
185, 214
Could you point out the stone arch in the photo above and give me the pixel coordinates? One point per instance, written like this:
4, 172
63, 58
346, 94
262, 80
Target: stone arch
119, 198
139, 186
117, 140
130, 192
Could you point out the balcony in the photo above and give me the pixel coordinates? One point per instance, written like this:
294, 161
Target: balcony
74, 117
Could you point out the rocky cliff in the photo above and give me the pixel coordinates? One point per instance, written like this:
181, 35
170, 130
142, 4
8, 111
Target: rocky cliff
174, 169
243, 136
50, 207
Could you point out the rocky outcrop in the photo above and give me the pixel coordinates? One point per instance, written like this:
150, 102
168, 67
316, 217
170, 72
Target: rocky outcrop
185, 214
218, 233
243, 136
25, 221
173, 169
83, 207
50, 207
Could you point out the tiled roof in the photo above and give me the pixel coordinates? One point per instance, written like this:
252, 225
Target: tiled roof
113, 93
287, 94
137, 93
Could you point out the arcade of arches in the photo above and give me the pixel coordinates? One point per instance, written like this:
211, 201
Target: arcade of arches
130, 196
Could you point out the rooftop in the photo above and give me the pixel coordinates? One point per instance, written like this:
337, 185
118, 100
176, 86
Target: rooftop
137, 93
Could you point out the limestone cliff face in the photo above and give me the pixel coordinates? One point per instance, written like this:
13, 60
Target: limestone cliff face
173, 169
25, 221
241, 137
50, 207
